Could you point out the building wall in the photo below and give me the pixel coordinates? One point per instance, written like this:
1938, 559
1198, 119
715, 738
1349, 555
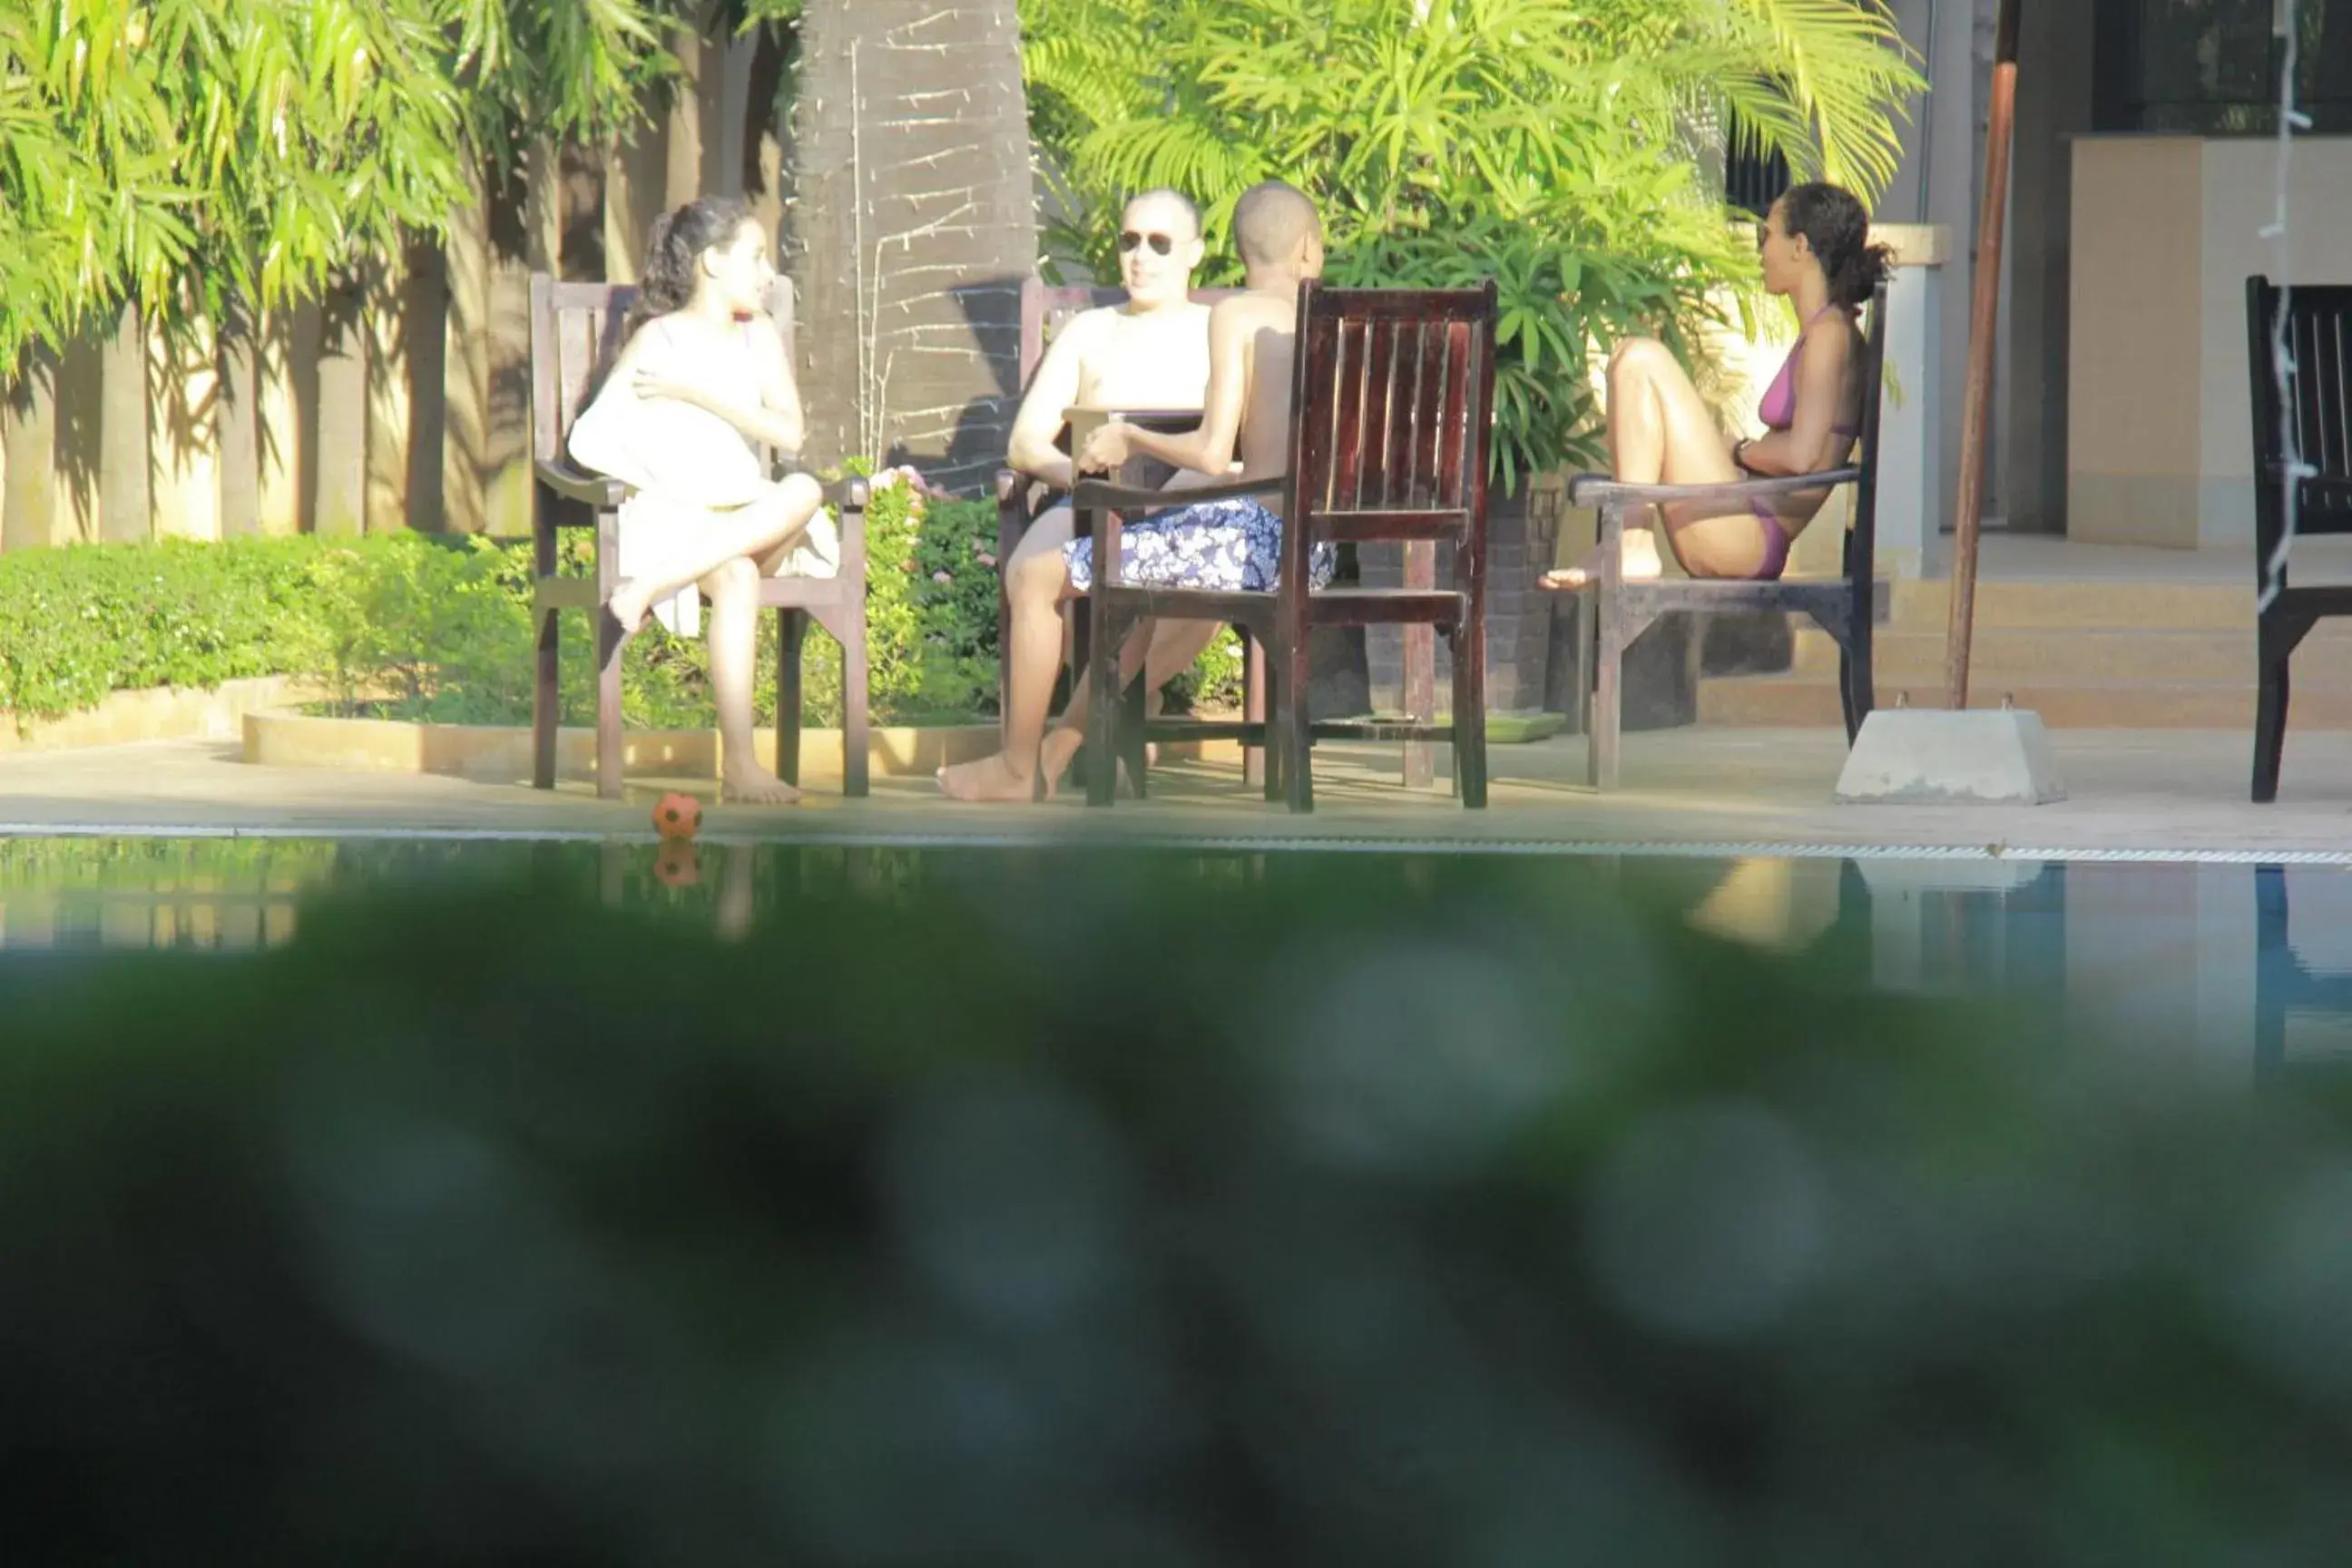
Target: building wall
2165, 231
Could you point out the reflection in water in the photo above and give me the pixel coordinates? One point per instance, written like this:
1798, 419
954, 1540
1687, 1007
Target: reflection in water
1172, 1209
2200, 962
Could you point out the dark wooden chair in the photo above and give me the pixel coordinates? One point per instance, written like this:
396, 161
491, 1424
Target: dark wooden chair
575, 332
1020, 500
1392, 392
1846, 607
2318, 394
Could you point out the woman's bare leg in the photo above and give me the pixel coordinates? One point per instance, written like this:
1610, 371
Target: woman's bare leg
734, 592
774, 518
1662, 432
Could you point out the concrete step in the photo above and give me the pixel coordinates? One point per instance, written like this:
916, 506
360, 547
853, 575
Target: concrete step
2062, 655
2027, 602
1776, 701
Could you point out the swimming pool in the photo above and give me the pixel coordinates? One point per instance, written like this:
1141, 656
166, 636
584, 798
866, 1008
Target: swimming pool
2216, 963
511, 1201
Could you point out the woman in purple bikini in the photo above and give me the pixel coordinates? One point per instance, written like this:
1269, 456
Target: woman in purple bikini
1817, 252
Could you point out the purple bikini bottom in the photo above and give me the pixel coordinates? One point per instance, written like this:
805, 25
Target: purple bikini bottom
1776, 544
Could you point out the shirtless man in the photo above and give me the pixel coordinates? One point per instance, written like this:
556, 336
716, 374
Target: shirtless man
1227, 544
1152, 351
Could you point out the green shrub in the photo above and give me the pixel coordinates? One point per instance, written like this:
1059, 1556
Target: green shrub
437, 628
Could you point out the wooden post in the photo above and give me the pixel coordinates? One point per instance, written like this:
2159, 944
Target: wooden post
125, 501
1976, 401
339, 396
184, 459
28, 433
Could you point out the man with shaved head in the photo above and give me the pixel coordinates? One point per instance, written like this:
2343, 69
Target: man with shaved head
1224, 545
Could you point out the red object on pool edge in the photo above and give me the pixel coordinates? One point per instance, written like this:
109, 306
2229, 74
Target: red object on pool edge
677, 816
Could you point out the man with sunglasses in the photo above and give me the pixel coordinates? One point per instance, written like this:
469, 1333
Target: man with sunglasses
1152, 352
1230, 545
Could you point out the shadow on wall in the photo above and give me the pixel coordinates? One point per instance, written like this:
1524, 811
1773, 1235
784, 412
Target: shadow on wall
976, 447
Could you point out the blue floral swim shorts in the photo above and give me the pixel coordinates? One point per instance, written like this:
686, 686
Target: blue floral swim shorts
1223, 546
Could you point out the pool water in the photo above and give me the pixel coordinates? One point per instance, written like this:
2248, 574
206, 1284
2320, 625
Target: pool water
503, 1202
2214, 963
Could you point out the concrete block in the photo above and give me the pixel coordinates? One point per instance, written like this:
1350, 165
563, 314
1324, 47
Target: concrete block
1923, 756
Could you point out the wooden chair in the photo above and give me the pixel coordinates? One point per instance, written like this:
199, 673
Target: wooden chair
1392, 392
1846, 607
575, 332
1045, 308
2318, 393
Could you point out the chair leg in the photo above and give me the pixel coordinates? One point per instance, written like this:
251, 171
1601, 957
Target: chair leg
1297, 725
792, 628
1856, 684
1134, 749
1102, 707
2270, 709
1588, 628
610, 640
1470, 718
546, 699
1270, 715
1254, 676
856, 679
1608, 654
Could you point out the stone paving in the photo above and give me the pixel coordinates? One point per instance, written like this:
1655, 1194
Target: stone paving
2129, 791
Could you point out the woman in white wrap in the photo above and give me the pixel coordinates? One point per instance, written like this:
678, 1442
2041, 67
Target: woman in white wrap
699, 385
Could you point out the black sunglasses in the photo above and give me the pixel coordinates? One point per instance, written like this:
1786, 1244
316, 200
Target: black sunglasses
1161, 244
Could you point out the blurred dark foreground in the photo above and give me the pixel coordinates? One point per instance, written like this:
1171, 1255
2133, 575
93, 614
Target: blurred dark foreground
1138, 1215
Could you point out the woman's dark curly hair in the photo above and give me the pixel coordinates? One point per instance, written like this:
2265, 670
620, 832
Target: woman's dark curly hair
675, 249
1832, 222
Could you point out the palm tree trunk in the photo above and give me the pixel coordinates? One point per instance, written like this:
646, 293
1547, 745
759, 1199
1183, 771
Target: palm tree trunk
912, 225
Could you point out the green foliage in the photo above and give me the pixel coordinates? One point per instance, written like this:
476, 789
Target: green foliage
438, 628
1551, 147
203, 157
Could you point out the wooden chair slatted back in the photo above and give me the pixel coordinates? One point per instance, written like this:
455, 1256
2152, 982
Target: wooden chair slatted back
1394, 390
576, 332
2316, 406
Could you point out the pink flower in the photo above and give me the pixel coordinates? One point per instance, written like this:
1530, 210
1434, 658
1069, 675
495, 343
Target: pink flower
988, 561
942, 578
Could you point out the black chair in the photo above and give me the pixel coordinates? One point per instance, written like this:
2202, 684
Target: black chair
2318, 410
1391, 399
1847, 606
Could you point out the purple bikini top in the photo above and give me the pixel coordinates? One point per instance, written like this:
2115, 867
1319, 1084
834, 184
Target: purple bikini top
1778, 409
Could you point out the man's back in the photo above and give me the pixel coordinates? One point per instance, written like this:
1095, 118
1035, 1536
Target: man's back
1261, 329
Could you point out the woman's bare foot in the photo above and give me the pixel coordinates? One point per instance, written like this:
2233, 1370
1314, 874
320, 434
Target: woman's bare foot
989, 778
628, 605
751, 785
1639, 560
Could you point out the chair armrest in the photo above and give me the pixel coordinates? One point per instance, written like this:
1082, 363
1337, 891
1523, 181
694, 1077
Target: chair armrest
1600, 489
1095, 494
848, 495
578, 484
1009, 485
